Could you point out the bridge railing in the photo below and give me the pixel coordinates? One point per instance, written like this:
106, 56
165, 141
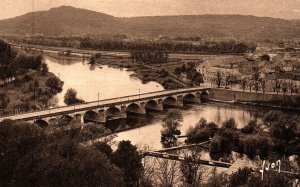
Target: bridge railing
119, 100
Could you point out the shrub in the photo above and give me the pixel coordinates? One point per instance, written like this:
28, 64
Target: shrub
71, 97
55, 84
250, 128
230, 124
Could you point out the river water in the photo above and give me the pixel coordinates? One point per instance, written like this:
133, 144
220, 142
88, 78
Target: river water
112, 82
90, 80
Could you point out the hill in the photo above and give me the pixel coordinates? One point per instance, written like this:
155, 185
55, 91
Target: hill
67, 20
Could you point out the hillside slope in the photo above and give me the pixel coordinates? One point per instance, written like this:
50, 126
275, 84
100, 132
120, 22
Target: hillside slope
73, 21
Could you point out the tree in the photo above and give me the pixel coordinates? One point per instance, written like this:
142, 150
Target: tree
218, 79
44, 68
171, 124
216, 179
230, 124
251, 128
104, 148
65, 163
273, 117
55, 84
263, 85
256, 78
168, 173
4, 101
36, 85
250, 85
202, 131
95, 57
244, 84
16, 140
283, 132
191, 170
257, 145
240, 177
284, 88
70, 97
128, 159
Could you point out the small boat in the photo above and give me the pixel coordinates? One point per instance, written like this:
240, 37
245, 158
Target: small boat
100, 67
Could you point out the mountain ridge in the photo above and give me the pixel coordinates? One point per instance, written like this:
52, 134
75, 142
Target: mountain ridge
67, 20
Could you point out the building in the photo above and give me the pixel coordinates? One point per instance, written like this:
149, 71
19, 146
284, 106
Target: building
229, 65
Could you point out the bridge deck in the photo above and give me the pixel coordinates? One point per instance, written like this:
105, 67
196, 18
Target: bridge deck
97, 104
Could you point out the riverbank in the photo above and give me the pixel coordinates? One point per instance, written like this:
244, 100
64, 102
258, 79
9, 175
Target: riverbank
289, 102
144, 73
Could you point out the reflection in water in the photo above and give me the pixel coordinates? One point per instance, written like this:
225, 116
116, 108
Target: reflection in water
213, 112
91, 80
111, 83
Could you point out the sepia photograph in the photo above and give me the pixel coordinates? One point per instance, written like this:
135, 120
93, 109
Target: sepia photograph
149, 93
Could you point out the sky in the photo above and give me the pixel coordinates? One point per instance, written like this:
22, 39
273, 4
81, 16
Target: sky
285, 9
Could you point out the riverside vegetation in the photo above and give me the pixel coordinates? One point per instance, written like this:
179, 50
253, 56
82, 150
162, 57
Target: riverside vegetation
32, 157
26, 83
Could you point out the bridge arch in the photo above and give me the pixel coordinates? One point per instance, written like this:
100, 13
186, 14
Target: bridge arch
170, 100
66, 119
113, 111
133, 107
41, 123
151, 104
189, 98
91, 116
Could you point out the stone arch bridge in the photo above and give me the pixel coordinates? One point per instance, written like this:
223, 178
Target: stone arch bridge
116, 108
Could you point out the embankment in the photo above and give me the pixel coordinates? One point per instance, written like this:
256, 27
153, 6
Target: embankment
265, 99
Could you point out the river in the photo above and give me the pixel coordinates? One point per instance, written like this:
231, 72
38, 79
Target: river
90, 80
111, 82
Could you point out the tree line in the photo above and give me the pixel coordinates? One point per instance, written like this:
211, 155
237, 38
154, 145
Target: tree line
151, 57
31, 157
14, 63
208, 47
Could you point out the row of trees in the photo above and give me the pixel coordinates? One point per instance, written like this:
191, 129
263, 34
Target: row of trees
168, 46
151, 57
208, 47
256, 83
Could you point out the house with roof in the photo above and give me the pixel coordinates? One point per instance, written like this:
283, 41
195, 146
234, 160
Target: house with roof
226, 65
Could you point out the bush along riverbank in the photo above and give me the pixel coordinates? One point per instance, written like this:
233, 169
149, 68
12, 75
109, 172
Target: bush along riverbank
276, 136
